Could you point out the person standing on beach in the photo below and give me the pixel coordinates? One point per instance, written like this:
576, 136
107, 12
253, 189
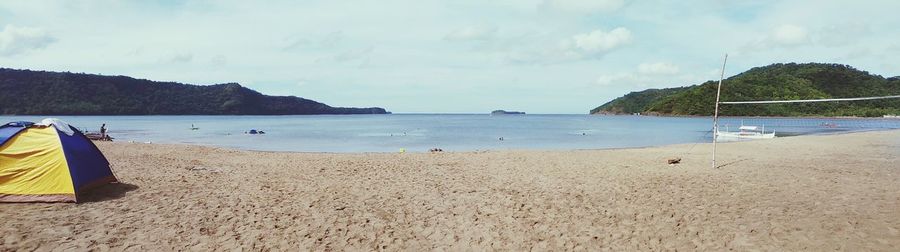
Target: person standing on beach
103, 131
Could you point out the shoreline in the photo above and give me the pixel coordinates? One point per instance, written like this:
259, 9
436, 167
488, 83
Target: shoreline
499, 150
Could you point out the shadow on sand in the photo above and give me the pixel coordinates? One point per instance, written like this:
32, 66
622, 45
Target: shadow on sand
107, 192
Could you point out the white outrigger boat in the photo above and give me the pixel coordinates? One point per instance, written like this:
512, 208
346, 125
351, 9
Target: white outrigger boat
747, 132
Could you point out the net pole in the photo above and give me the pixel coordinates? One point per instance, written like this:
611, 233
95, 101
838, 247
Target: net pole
716, 113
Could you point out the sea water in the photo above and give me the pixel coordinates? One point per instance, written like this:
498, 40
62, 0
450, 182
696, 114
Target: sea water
449, 132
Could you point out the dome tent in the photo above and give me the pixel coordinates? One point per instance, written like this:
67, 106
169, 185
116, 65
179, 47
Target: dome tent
48, 162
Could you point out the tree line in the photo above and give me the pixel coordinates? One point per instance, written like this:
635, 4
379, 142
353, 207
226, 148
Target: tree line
26, 92
790, 81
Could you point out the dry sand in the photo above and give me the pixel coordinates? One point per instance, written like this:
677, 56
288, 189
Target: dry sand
836, 192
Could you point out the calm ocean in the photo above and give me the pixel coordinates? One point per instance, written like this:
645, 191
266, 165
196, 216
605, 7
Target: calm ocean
450, 132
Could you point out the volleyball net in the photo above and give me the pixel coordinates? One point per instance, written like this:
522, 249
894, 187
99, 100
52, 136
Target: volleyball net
880, 115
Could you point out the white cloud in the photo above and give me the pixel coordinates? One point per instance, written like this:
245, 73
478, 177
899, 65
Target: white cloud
855, 54
294, 42
585, 46
583, 6
355, 54
477, 32
18, 40
893, 48
181, 58
658, 68
609, 80
219, 60
842, 34
597, 42
789, 35
359, 56
281, 39
629, 80
636, 81
305, 41
333, 38
782, 36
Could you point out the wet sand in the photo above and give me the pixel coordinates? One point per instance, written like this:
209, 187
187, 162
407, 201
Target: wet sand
834, 192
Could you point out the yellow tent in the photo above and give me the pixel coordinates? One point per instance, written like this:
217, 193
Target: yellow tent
48, 163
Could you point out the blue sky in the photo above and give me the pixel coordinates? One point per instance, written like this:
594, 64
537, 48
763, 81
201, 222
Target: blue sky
409, 56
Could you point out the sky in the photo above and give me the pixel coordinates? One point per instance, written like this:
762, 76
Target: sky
462, 56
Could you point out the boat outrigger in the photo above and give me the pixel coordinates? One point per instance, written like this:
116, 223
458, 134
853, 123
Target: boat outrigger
747, 132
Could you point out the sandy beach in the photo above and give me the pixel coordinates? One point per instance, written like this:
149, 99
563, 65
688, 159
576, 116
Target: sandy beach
831, 192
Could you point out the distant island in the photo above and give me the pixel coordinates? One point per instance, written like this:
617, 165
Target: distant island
26, 92
504, 112
774, 82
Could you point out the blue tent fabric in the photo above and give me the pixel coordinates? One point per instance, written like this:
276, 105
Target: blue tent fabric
8, 132
86, 163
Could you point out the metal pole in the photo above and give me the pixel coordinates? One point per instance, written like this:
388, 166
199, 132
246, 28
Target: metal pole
716, 114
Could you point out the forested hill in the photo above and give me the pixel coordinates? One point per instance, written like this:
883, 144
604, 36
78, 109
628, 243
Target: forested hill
634, 102
774, 82
25, 92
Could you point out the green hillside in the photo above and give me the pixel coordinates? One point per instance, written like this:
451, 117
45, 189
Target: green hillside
26, 92
635, 102
778, 82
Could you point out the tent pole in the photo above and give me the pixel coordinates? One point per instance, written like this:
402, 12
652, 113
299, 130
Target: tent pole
716, 114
